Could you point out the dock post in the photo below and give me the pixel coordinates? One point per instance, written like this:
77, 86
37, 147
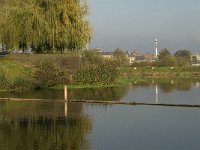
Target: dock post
65, 93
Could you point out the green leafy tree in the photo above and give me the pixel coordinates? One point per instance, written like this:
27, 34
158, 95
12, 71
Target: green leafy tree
46, 26
183, 62
120, 57
183, 53
163, 53
183, 58
91, 58
168, 61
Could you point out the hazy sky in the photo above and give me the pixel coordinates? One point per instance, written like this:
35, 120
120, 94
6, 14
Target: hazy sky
134, 24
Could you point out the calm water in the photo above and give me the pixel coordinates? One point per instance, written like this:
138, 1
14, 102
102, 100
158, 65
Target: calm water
61, 126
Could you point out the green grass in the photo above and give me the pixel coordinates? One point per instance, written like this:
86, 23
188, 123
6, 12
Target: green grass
13, 75
13, 69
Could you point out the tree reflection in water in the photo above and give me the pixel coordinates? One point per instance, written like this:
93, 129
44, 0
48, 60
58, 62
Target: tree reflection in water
52, 125
103, 94
113, 93
37, 125
169, 85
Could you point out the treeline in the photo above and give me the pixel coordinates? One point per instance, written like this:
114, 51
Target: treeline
44, 26
181, 58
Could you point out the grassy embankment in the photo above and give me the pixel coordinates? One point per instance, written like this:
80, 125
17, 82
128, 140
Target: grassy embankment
16, 73
16, 70
13, 75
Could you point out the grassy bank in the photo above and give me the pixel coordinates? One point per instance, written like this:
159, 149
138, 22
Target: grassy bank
18, 73
162, 72
14, 76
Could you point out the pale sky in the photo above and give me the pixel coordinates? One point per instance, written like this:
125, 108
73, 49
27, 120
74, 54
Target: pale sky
134, 24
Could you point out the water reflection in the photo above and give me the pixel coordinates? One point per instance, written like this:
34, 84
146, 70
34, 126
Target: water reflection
154, 91
37, 125
65, 126
197, 84
37, 94
157, 94
179, 91
169, 85
114, 93
66, 109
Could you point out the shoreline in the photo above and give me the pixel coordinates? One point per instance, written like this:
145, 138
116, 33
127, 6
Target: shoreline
122, 81
17, 75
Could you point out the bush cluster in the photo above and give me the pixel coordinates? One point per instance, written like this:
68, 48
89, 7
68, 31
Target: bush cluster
100, 74
48, 73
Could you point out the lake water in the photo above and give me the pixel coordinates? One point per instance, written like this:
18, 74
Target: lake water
76, 126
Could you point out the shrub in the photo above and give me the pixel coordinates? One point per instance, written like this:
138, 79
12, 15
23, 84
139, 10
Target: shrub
143, 64
120, 58
91, 58
183, 62
22, 84
167, 61
48, 74
100, 74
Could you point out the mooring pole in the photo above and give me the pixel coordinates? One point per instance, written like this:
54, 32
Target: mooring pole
65, 93
66, 109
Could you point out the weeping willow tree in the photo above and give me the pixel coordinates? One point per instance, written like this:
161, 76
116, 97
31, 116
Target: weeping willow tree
46, 26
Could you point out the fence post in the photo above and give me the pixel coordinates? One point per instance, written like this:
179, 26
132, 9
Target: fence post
65, 93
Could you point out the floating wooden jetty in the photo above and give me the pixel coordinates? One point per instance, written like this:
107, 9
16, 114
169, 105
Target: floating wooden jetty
100, 102
135, 103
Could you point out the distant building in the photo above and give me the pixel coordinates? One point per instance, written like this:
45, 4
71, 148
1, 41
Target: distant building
131, 58
149, 57
107, 54
195, 59
139, 58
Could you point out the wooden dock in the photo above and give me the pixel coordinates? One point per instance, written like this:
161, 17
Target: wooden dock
101, 102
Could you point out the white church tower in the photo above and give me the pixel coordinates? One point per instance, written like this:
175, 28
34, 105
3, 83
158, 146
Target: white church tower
156, 46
